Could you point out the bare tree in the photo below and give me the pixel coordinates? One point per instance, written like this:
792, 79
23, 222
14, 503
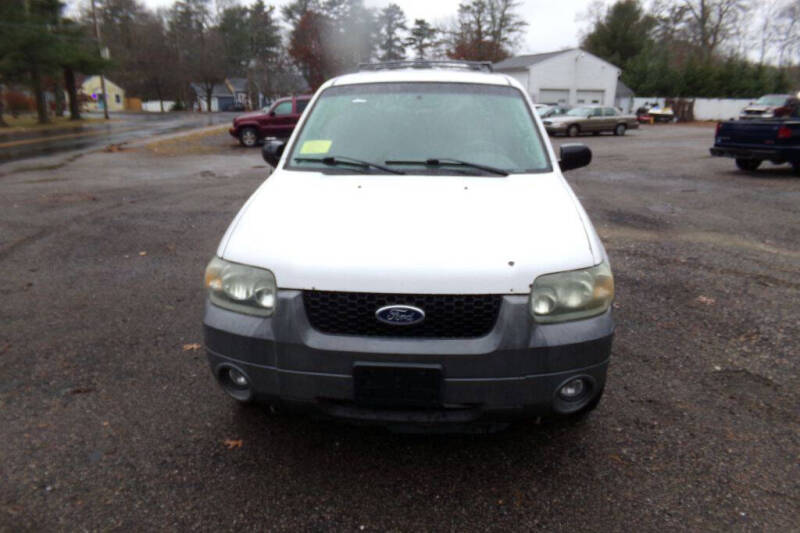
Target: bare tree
487, 30
710, 24
208, 63
788, 32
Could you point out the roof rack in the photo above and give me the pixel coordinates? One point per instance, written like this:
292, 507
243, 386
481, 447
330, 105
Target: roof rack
484, 66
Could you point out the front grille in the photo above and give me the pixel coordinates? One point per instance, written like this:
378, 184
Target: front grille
447, 316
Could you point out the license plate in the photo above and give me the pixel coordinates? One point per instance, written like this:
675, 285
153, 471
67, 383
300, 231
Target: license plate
379, 385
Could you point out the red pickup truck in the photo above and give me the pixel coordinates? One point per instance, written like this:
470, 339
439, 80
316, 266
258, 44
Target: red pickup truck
277, 121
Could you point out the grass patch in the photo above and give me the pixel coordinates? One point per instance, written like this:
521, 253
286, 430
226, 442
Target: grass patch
30, 123
207, 142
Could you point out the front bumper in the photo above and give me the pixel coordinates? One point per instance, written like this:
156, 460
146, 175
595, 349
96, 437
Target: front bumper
516, 370
553, 129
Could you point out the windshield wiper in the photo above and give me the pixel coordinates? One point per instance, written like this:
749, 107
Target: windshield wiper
451, 162
343, 160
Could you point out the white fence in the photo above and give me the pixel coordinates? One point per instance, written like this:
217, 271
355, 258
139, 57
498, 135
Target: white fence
705, 108
154, 106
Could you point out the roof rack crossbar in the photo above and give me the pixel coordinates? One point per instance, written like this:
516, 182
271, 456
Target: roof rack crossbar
484, 66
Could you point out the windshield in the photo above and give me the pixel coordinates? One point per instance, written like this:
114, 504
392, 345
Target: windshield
407, 124
580, 112
771, 100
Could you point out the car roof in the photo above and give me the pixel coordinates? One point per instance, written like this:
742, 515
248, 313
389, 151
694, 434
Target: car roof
422, 75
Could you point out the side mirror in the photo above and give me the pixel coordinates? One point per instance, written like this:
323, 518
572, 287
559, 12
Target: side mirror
272, 151
574, 155
272, 113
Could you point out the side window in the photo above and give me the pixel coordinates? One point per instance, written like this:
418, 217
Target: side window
284, 108
610, 112
301, 106
597, 112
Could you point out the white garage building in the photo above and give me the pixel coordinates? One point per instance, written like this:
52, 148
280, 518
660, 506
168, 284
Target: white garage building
570, 77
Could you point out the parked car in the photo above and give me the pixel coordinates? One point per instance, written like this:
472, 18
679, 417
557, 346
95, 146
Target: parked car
771, 106
552, 110
751, 142
276, 121
590, 119
415, 257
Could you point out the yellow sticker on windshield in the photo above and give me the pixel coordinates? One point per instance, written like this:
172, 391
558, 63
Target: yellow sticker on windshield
316, 147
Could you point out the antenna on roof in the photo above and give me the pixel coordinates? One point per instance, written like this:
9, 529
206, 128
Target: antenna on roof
483, 66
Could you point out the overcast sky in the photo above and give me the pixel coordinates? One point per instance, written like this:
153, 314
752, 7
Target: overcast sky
552, 24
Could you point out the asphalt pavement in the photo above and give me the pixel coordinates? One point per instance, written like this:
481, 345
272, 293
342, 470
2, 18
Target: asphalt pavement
111, 420
123, 127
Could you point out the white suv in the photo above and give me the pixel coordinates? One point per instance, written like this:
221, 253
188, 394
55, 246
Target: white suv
415, 257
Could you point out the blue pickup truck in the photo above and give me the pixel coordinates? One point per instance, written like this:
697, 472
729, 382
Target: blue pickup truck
751, 142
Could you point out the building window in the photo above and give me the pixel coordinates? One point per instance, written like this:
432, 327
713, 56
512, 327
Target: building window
116, 98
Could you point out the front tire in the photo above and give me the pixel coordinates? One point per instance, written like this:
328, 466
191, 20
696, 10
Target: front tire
573, 131
748, 165
248, 137
619, 131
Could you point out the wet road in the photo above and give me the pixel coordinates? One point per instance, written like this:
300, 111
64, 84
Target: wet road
124, 127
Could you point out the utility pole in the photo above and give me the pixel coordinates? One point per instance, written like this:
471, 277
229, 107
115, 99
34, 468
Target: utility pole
100, 51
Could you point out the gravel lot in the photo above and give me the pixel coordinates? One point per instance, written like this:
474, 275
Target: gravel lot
110, 422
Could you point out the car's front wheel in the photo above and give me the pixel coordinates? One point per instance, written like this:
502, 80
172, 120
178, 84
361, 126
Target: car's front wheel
748, 165
620, 130
573, 130
248, 137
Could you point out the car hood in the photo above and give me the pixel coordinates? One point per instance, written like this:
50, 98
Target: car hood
254, 114
759, 108
406, 234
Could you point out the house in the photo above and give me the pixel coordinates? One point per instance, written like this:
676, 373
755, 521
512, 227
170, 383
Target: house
238, 88
571, 77
92, 91
624, 99
225, 96
221, 97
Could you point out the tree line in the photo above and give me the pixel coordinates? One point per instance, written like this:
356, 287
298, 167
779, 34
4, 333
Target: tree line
161, 54
699, 48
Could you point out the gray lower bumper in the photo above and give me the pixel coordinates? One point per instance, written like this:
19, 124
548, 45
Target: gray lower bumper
515, 370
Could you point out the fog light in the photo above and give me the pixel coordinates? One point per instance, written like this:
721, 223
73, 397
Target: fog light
237, 378
573, 389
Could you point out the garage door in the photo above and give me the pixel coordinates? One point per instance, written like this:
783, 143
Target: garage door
590, 97
224, 103
553, 96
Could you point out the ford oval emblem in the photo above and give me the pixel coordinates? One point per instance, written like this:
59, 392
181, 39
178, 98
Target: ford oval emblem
400, 315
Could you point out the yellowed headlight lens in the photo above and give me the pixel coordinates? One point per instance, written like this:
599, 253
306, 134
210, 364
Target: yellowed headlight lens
572, 295
241, 288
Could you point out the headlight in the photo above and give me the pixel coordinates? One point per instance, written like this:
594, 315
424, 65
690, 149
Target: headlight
572, 295
241, 288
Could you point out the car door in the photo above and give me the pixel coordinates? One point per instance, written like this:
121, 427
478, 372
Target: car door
610, 118
280, 119
595, 120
